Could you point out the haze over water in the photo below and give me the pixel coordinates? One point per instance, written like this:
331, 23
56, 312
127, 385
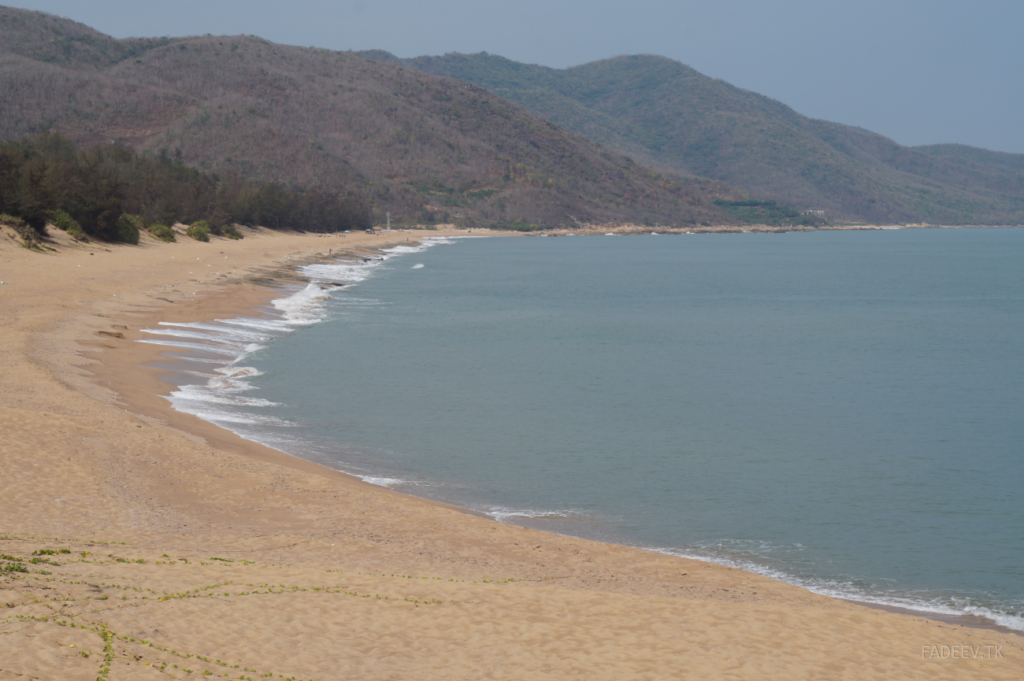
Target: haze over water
839, 409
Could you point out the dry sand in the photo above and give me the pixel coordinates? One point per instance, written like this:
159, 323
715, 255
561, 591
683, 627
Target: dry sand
193, 552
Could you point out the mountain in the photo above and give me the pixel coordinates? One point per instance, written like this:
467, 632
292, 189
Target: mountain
423, 147
667, 115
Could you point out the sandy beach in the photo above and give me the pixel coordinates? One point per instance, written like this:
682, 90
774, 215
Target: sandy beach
166, 547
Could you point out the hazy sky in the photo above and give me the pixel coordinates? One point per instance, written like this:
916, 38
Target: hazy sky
918, 71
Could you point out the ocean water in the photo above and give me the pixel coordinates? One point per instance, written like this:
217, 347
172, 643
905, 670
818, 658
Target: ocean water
840, 410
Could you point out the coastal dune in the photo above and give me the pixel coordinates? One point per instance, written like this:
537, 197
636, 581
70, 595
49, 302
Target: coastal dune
165, 546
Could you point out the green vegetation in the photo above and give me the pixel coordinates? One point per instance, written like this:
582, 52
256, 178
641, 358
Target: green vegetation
199, 231
517, 226
15, 564
202, 229
754, 212
211, 118
112, 192
27, 234
400, 136
61, 220
161, 232
128, 229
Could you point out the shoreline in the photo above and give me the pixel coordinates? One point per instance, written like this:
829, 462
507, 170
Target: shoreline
225, 437
165, 480
141, 389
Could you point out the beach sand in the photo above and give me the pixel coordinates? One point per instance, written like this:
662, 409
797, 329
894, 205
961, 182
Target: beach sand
191, 550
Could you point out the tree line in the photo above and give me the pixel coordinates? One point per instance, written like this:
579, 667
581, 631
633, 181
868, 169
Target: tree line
109, 191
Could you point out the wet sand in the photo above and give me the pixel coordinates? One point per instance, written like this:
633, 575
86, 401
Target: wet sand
192, 550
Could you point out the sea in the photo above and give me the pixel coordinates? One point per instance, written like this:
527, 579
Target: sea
840, 410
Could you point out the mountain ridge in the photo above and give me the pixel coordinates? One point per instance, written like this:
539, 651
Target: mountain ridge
483, 139
425, 148
668, 115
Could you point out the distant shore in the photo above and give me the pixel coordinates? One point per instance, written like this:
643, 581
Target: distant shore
629, 229
599, 230
318, 573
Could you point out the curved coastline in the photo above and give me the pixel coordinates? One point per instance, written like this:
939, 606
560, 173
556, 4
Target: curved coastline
137, 374
208, 490
298, 302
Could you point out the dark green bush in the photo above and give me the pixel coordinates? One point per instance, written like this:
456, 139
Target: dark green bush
198, 232
63, 221
96, 186
517, 226
128, 229
162, 232
231, 232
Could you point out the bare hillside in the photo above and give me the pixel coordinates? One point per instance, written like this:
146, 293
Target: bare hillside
424, 147
666, 114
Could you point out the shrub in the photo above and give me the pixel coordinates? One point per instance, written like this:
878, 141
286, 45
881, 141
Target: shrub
162, 232
17, 224
11, 221
517, 226
27, 234
128, 228
198, 232
135, 220
61, 220
228, 231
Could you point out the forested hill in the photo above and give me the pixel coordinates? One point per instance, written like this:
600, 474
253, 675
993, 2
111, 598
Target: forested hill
424, 147
665, 114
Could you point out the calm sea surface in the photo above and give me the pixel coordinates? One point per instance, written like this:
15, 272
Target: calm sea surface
842, 410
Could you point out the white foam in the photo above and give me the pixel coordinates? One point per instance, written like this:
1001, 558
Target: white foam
225, 384
193, 358
211, 395
201, 347
348, 272
383, 482
1015, 622
221, 417
343, 273
429, 242
502, 514
402, 250
234, 372
227, 329
195, 335
418, 266
217, 399
303, 307
265, 324
851, 592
